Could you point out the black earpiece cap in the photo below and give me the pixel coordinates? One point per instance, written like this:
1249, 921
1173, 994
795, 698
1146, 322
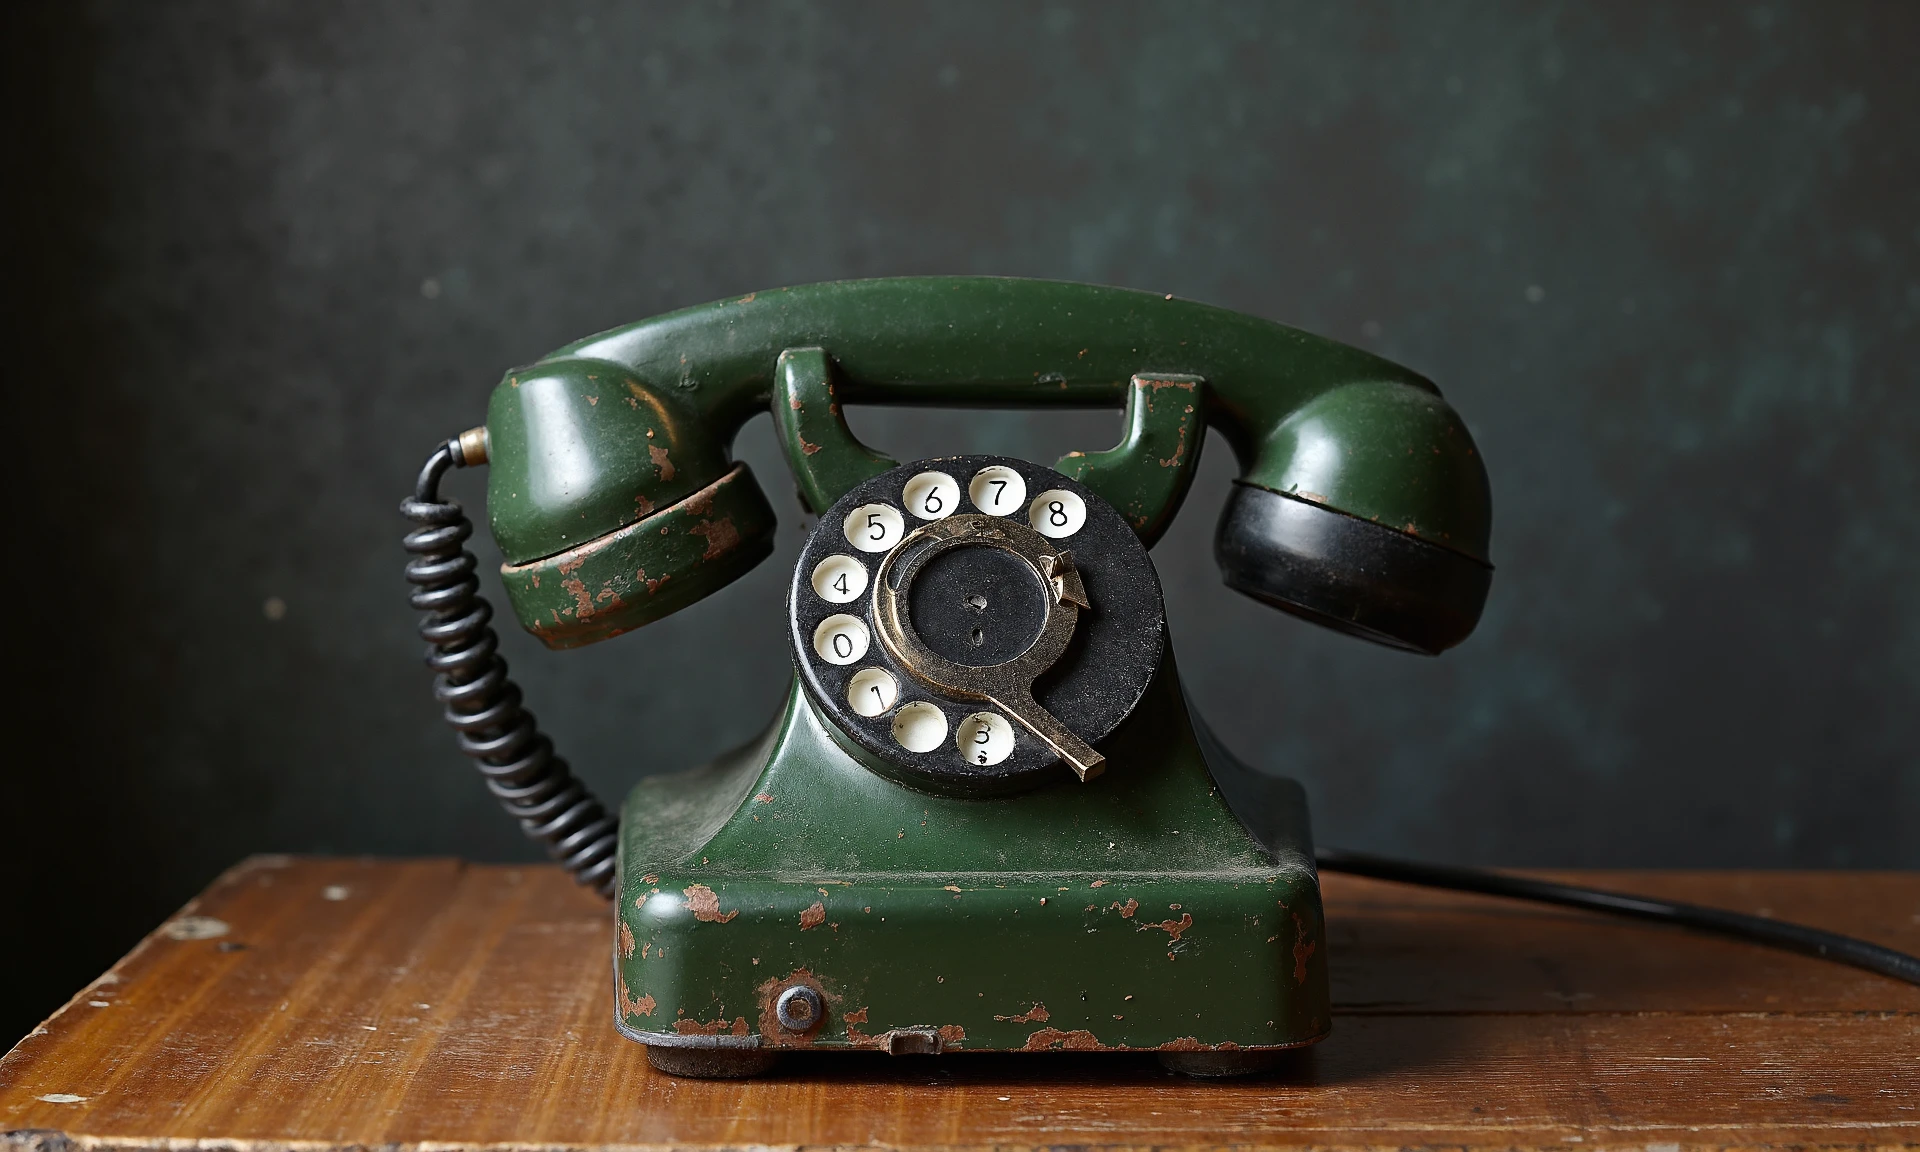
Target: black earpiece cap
1349, 574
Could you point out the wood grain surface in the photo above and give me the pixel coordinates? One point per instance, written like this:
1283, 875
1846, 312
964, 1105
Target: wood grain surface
319, 1003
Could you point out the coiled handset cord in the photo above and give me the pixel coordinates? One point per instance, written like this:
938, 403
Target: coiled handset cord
478, 698
537, 789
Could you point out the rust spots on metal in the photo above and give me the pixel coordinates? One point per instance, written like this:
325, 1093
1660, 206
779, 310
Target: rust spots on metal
795, 404
711, 1027
807, 447
1128, 909
701, 502
1302, 949
705, 906
1155, 383
631, 1007
951, 1035
1098, 884
767, 997
721, 536
1195, 1044
1078, 1040
626, 941
763, 798
582, 599
813, 915
747, 299
650, 878
644, 505
1172, 928
1314, 497
660, 461
1037, 1014
854, 1035
652, 585
1179, 456
953, 888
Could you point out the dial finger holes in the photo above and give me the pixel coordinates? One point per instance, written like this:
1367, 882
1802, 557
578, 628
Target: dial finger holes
841, 639
1057, 514
871, 691
997, 490
839, 579
931, 495
919, 727
874, 527
984, 738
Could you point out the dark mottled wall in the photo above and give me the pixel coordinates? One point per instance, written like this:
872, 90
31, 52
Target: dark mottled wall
1666, 260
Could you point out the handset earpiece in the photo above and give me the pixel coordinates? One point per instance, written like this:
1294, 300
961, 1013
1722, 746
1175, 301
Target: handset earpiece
613, 500
1366, 510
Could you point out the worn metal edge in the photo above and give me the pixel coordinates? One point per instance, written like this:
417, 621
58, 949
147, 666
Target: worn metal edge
676, 1040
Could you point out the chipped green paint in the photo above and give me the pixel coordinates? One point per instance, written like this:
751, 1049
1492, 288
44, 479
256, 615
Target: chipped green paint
826, 457
1134, 912
1146, 476
646, 570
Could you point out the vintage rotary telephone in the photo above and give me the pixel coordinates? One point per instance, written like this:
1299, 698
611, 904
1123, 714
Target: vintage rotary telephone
988, 819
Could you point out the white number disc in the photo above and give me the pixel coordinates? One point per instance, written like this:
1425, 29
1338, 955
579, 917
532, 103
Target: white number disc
919, 727
1057, 514
984, 738
932, 495
841, 639
874, 527
871, 691
839, 579
997, 490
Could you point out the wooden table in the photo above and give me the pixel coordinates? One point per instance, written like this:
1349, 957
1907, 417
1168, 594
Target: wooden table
317, 1004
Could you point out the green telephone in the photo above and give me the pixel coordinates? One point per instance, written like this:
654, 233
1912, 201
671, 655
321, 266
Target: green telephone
987, 819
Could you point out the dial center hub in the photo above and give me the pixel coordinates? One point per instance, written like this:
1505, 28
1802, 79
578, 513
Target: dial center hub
978, 606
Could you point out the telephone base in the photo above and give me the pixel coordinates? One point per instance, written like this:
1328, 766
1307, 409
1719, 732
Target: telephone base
786, 897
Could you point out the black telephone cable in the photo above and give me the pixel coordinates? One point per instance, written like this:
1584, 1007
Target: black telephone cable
1734, 925
482, 702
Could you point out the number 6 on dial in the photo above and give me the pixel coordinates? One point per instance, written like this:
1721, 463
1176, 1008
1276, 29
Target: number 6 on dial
932, 495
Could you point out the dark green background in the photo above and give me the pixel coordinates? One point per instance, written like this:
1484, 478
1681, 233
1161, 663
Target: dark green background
1665, 260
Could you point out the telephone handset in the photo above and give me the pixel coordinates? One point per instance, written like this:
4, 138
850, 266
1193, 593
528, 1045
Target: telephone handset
987, 818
